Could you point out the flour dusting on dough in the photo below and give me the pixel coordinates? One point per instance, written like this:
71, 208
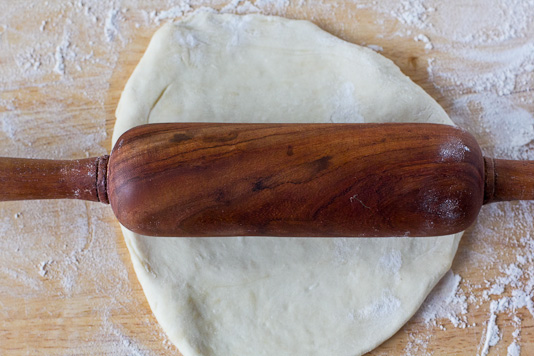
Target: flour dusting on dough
386, 304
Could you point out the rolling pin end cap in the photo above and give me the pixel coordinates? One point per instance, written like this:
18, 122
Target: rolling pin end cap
102, 179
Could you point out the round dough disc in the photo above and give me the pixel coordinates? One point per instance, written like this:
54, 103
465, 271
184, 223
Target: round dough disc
276, 296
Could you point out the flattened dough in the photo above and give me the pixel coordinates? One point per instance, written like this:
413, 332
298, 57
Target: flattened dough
276, 296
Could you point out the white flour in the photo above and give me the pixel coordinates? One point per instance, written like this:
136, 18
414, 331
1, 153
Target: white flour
71, 37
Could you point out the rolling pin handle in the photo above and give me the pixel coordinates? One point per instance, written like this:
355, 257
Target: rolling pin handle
507, 180
489, 180
102, 179
28, 179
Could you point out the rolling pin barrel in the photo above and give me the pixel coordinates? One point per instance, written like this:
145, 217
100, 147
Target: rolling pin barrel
203, 179
212, 179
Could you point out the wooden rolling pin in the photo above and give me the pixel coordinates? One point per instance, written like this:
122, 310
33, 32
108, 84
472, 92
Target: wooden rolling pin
210, 179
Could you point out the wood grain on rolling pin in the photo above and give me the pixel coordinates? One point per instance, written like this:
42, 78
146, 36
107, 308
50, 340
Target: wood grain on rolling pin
200, 179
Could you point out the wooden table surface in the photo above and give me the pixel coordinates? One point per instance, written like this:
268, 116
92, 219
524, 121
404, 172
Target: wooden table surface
67, 286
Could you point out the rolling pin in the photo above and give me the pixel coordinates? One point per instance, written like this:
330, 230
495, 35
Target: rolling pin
318, 180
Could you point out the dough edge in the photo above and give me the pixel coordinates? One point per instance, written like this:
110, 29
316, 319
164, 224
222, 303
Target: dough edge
133, 111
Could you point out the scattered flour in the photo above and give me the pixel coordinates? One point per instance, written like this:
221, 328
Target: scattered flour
111, 30
375, 48
514, 349
447, 301
62, 52
422, 38
492, 336
172, 13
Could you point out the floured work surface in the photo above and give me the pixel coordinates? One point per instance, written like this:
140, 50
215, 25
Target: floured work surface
68, 281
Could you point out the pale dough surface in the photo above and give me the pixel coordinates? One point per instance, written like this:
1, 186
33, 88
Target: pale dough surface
276, 296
